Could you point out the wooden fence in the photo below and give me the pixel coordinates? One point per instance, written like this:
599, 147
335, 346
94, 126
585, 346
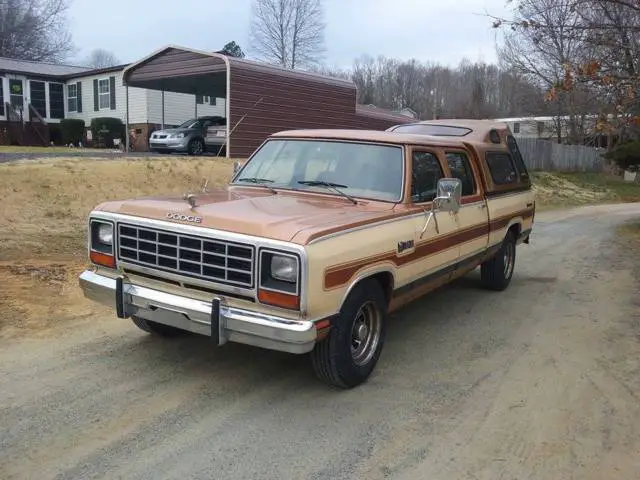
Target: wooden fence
553, 157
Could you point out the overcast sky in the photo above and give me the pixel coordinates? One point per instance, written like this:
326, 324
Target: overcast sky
443, 31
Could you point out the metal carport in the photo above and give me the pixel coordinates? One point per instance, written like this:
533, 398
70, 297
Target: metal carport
260, 99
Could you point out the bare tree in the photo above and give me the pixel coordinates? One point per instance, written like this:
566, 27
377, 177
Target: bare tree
101, 58
289, 33
594, 48
35, 30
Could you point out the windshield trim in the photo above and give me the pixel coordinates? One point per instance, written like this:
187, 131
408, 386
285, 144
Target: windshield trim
401, 147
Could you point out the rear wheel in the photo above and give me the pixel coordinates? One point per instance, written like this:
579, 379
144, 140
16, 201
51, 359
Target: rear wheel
496, 273
156, 328
349, 354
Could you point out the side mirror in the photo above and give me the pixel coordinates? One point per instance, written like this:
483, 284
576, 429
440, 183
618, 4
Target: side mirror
449, 196
236, 167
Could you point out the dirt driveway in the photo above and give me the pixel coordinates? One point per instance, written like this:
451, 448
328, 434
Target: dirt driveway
541, 381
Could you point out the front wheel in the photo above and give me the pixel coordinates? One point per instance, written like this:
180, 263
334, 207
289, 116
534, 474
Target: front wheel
349, 354
196, 147
496, 273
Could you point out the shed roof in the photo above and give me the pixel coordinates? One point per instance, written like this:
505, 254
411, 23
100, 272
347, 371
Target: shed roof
129, 72
45, 69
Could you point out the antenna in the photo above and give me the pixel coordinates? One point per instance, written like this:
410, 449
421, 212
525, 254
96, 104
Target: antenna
206, 179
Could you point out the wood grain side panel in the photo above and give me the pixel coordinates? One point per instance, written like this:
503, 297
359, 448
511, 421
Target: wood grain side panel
339, 275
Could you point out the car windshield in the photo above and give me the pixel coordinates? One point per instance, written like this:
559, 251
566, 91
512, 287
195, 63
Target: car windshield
192, 123
356, 169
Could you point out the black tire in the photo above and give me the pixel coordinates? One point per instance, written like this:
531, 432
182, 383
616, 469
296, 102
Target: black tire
196, 146
497, 272
156, 328
333, 359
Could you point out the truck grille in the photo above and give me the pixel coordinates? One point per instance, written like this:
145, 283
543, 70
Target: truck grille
189, 255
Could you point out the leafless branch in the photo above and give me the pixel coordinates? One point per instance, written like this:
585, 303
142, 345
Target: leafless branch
288, 32
35, 30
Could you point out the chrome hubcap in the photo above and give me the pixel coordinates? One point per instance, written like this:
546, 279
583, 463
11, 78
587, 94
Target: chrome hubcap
197, 147
365, 333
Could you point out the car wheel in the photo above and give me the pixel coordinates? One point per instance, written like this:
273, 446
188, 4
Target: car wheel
349, 354
157, 328
497, 272
196, 146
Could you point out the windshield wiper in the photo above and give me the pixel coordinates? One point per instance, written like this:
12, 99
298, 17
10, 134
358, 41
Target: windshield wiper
259, 181
335, 186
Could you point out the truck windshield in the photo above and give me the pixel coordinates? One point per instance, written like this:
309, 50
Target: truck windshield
362, 170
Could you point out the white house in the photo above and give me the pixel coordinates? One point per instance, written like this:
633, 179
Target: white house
37, 92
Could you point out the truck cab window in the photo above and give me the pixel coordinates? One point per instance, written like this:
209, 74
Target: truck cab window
512, 145
461, 169
501, 167
425, 173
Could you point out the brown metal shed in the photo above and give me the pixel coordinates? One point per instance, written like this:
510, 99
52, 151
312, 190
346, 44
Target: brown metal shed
261, 99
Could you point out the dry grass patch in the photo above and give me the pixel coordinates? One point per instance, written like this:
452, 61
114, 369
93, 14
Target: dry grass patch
43, 212
558, 190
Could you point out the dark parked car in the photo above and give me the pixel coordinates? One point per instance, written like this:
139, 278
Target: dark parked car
194, 137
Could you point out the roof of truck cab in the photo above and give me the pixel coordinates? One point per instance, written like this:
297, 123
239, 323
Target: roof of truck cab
372, 136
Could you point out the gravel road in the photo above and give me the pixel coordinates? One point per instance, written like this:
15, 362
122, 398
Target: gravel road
540, 381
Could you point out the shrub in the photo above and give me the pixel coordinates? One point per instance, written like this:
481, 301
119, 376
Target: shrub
105, 129
626, 156
71, 131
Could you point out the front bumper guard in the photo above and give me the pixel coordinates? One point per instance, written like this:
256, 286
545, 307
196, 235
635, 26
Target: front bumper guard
214, 319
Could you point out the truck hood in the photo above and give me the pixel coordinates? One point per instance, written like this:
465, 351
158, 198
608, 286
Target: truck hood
295, 217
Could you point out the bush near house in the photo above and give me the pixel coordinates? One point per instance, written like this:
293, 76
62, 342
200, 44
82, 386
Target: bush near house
72, 131
105, 129
626, 156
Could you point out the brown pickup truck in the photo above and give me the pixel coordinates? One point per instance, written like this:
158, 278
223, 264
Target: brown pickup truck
319, 235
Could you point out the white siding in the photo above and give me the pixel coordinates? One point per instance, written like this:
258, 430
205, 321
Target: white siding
137, 101
179, 107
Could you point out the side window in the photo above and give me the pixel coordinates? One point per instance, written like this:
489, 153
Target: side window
517, 157
461, 168
425, 173
501, 167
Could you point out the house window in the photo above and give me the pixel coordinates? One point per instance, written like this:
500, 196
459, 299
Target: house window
2, 96
56, 100
72, 97
516, 127
205, 100
104, 94
38, 98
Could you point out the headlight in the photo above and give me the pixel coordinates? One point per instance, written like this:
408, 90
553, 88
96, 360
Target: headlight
105, 233
178, 135
284, 268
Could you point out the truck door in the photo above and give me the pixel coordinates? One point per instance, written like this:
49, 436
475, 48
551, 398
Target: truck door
432, 249
473, 217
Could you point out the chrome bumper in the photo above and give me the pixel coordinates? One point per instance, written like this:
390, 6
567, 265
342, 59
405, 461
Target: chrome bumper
214, 319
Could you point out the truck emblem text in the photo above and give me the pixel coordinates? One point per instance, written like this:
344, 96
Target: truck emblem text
184, 218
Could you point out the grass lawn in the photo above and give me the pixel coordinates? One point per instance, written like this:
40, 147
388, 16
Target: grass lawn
559, 190
36, 150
